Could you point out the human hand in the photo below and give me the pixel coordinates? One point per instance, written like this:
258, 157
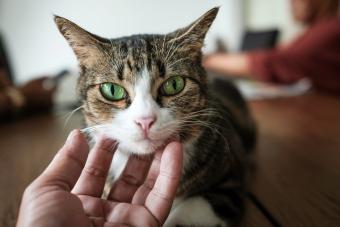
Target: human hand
37, 96
68, 193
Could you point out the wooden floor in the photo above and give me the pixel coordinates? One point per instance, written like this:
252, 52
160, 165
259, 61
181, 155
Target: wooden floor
297, 178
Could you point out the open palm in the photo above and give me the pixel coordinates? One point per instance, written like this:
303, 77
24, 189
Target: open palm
68, 193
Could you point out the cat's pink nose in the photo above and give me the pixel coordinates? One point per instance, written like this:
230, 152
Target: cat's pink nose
146, 123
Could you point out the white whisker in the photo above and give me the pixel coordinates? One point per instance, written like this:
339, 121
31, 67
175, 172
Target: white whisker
178, 60
163, 45
93, 128
170, 49
70, 114
174, 50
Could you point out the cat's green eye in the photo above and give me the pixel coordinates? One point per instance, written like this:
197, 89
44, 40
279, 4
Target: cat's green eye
112, 92
173, 86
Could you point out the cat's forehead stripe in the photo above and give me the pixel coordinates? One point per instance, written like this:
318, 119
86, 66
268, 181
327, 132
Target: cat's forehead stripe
136, 55
120, 71
161, 68
149, 51
128, 62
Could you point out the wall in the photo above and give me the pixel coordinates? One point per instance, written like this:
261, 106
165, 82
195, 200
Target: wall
263, 14
35, 46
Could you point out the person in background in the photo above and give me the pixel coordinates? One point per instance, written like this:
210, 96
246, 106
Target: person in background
29, 98
315, 54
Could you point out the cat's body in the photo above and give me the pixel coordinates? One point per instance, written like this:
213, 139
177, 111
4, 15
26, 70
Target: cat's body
166, 90
214, 177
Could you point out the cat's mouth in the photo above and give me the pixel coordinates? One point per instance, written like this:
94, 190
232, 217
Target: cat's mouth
149, 145
157, 140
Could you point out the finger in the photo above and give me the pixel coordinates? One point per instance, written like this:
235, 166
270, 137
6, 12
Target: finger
131, 178
93, 176
65, 168
144, 190
160, 199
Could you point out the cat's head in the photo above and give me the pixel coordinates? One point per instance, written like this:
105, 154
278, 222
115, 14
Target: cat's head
143, 89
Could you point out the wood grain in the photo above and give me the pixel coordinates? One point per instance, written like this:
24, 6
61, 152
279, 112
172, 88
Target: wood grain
298, 159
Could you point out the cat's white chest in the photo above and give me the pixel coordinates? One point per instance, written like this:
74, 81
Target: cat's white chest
117, 166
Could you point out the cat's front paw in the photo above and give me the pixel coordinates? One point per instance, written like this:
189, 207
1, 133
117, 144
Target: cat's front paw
193, 211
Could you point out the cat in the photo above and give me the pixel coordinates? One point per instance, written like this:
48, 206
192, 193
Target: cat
155, 86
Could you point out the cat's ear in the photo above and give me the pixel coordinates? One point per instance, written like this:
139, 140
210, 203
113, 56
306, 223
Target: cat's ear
87, 47
194, 34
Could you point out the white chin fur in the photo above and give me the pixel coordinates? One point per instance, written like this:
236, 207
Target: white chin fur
130, 146
140, 148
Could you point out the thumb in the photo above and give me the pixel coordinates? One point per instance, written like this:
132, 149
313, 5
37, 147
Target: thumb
67, 165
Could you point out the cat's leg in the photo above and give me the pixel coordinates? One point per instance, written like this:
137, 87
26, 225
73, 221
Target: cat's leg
193, 211
117, 166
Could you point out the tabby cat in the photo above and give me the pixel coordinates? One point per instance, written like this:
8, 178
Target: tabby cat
144, 89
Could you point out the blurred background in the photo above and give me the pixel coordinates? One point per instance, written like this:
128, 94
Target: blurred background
35, 47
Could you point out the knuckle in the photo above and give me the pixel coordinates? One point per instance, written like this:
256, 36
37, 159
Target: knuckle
107, 145
149, 183
157, 193
130, 180
168, 175
71, 157
95, 171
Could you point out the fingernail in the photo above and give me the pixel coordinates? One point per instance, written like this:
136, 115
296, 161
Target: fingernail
115, 146
108, 144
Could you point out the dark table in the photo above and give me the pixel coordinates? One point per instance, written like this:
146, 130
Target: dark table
297, 178
298, 162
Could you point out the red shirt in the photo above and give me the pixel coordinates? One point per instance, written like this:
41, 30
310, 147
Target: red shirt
316, 55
